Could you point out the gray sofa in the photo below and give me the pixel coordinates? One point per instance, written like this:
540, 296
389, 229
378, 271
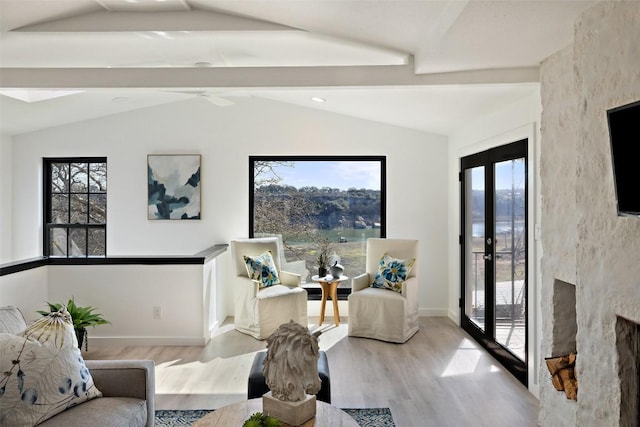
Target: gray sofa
127, 386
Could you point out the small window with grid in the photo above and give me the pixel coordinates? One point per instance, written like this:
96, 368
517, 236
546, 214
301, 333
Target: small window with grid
75, 207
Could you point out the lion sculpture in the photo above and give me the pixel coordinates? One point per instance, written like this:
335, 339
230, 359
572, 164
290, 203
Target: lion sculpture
291, 365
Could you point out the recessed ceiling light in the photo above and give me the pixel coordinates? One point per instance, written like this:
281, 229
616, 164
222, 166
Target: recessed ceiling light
318, 99
163, 34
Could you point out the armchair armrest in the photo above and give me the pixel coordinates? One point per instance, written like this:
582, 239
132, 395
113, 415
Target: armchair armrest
360, 282
297, 267
246, 287
126, 378
410, 290
290, 279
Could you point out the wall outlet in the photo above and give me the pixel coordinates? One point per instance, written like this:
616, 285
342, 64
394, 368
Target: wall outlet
157, 312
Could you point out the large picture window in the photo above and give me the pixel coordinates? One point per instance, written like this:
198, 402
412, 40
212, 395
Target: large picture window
316, 203
75, 207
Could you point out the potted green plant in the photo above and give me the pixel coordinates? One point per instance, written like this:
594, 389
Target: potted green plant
322, 255
322, 264
82, 317
259, 419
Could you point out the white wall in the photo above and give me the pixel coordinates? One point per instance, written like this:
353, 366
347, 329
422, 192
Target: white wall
5, 198
514, 122
126, 295
26, 290
225, 137
128, 304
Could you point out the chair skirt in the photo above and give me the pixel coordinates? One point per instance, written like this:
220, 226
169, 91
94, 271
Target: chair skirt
381, 314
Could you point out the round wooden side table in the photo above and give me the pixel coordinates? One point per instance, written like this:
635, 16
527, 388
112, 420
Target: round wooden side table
236, 414
329, 285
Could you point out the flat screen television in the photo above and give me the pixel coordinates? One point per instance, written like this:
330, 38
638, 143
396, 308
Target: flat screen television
624, 136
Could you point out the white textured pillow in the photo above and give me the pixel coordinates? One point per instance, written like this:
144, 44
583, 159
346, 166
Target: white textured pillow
43, 372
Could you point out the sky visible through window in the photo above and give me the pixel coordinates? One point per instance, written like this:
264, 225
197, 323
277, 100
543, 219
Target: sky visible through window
504, 177
333, 174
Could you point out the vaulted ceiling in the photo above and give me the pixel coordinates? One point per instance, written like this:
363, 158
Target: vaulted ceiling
421, 64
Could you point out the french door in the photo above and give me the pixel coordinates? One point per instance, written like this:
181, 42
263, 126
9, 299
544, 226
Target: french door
494, 253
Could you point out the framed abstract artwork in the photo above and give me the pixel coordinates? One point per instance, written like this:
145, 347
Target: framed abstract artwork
174, 186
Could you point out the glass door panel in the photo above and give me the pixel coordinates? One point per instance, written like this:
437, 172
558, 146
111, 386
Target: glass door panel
494, 253
509, 288
474, 246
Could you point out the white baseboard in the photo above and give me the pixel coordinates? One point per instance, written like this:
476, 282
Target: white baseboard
148, 341
156, 341
432, 312
213, 329
455, 317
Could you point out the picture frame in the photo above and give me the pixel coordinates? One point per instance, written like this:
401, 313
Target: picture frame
173, 186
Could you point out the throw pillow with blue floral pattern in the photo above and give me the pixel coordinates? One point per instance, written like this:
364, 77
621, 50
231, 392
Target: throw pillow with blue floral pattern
43, 372
262, 269
392, 272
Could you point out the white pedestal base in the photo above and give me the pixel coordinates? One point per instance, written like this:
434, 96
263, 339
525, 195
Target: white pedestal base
292, 413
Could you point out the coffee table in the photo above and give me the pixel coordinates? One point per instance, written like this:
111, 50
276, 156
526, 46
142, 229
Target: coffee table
329, 285
236, 414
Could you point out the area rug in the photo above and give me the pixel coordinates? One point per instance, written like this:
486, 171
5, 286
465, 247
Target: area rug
370, 417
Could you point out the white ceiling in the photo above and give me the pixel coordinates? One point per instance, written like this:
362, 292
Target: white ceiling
421, 64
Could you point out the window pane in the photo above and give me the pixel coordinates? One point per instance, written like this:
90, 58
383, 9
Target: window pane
58, 242
98, 208
510, 290
59, 209
76, 196
475, 233
97, 242
59, 177
334, 205
78, 214
97, 177
77, 242
79, 176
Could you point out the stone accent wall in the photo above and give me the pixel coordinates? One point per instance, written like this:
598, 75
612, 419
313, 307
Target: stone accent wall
584, 241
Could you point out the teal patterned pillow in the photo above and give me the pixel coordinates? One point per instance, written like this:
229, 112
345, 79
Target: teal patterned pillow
392, 272
262, 269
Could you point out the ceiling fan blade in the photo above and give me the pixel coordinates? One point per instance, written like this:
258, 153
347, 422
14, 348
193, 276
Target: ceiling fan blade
217, 100
211, 97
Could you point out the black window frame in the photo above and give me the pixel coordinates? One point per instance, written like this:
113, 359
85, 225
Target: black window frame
48, 226
342, 292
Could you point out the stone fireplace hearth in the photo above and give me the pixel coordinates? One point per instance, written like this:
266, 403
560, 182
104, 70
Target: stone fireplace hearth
565, 327
561, 363
584, 241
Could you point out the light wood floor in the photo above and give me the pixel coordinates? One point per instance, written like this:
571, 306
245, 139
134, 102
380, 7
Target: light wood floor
440, 377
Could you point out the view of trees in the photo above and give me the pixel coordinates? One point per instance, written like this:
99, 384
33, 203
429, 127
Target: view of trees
308, 217
296, 211
77, 208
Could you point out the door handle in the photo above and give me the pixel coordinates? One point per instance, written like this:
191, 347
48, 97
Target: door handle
486, 257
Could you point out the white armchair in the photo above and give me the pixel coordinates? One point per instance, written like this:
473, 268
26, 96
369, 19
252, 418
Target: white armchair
384, 314
259, 311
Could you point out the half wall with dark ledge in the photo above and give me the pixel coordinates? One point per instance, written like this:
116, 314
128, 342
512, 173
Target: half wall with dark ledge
144, 297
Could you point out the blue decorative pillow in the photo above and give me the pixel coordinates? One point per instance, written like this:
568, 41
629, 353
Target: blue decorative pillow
262, 269
392, 272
